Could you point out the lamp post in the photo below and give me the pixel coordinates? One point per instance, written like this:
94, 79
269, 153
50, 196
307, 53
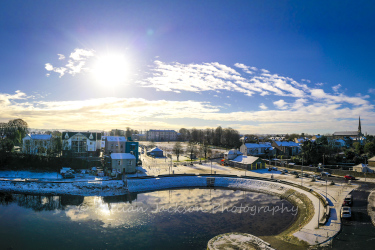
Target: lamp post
365, 166
302, 172
211, 163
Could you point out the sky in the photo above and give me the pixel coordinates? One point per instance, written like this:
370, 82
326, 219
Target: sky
262, 67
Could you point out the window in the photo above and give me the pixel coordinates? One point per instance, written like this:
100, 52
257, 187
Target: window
119, 162
129, 162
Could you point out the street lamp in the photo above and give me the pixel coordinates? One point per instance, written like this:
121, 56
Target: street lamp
302, 172
211, 163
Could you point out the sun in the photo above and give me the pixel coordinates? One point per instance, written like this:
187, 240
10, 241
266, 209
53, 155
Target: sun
111, 69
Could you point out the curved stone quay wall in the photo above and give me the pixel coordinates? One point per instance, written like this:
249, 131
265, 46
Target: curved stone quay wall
160, 183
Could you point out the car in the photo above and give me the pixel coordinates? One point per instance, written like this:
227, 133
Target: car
274, 168
285, 170
317, 177
305, 175
349, 177
326, 174
346, 213
294, 172
348, 201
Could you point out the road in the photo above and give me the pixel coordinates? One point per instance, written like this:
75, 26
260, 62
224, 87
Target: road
359, 232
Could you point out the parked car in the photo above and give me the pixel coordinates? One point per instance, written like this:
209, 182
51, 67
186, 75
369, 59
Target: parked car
346, 213
317, 177
294, 172
285, 170
305, 175
348, 201
326, 174
349, 177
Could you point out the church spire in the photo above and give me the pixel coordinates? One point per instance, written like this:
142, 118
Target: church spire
359, 125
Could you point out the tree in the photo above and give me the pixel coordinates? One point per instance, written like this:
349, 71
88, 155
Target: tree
217, 136
358, 148
369, 148
128, 132
17, 129
11, 133
184, 134
206, 150
177, 150
192, 150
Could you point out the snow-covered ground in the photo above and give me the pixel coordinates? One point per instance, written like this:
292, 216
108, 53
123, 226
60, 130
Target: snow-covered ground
46, 176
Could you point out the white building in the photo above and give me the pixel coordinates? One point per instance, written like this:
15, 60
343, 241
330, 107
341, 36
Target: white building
37, 144
161, 135
123, 162
81, 143
256, 149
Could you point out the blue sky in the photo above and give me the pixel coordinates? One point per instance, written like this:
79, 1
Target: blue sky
256, 66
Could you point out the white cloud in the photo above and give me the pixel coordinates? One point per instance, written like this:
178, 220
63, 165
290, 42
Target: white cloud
81, 54
371, 90
336, 88
75, 64
281, 104
319, 84
244, 68
262, 106
61, 56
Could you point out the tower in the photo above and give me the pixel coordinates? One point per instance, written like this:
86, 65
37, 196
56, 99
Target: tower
359, 126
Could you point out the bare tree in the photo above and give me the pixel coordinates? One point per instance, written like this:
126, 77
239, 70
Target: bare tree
192, 150
177, 150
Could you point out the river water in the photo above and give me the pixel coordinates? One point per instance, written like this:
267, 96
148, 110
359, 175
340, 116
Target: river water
169, 219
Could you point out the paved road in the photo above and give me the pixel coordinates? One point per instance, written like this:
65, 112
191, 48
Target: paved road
359, 232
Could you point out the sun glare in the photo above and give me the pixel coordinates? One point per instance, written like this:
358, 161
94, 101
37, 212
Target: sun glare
111, 69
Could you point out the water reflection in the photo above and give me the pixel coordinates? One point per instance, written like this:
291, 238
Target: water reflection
142, 221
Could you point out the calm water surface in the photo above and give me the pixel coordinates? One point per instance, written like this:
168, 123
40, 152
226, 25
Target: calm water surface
170, 219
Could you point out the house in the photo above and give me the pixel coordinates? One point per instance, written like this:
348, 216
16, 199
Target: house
132, 148
232, 154
299, 140
371, 162
337, 143
123, 162
156, 152
256, 149
161, 135
78, 144
363, 168
287, 148
247, 162
114, 144
37, 144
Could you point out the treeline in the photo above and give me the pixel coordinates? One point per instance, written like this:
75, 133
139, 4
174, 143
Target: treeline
227, 137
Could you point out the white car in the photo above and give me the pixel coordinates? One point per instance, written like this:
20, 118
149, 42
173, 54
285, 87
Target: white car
346, 213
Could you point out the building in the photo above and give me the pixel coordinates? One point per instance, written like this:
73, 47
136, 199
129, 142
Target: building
355, 135
132, 147
161, 135
257, 149
287, 148
37, 144
156, 152
81, 144
231, 155
363, 168
371, 162
247, 162
123, 163
114, 144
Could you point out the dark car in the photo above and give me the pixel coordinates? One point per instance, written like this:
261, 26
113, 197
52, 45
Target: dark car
294, 172
349, 177
348, 201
